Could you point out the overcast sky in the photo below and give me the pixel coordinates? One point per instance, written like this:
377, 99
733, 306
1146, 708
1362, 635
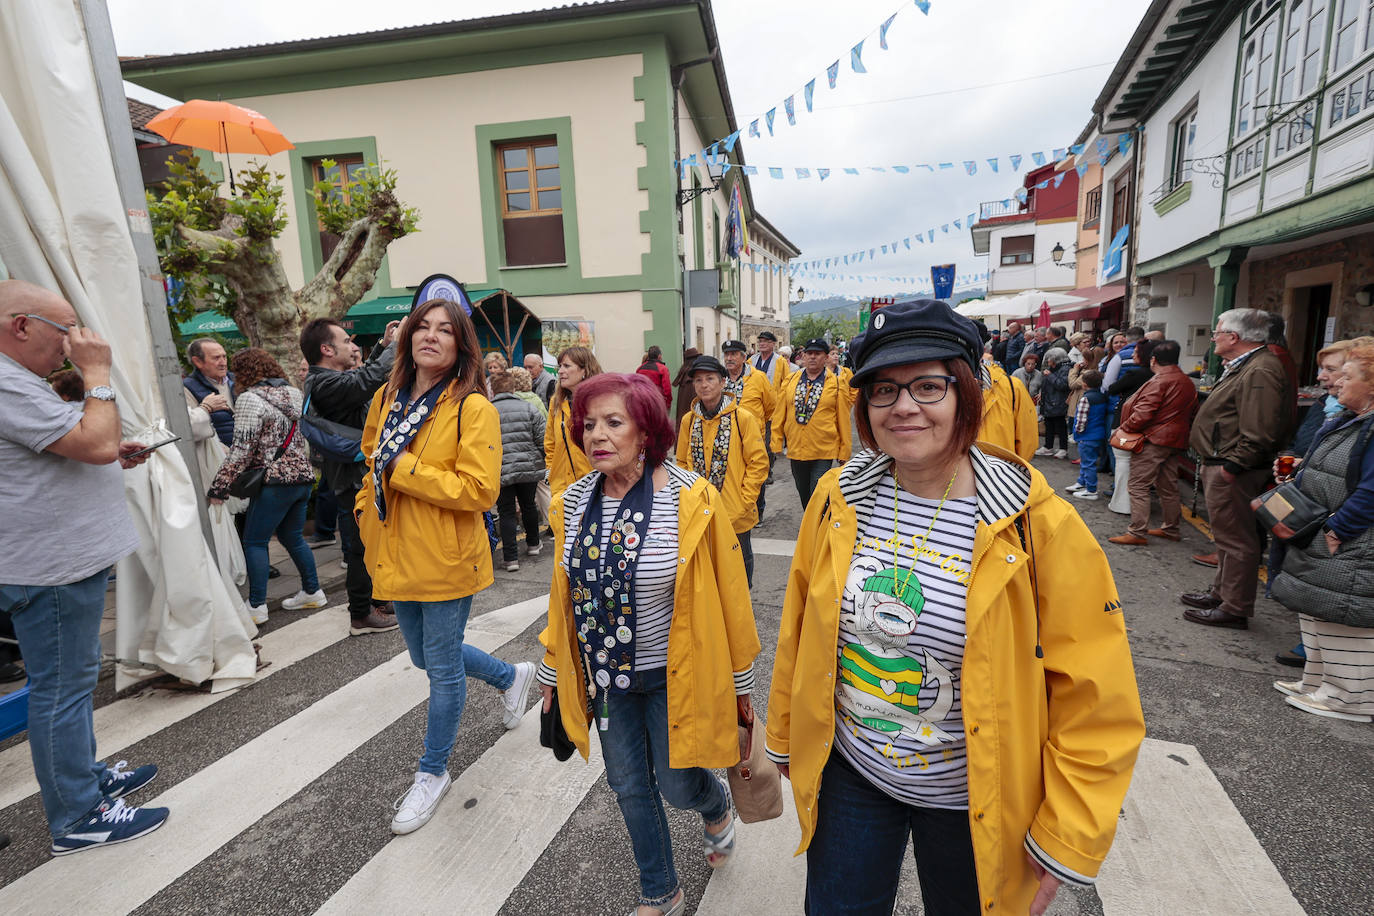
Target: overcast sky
915, 104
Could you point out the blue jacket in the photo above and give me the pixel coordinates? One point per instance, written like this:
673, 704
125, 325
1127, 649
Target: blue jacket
1015, 347
223, 420
1097, 428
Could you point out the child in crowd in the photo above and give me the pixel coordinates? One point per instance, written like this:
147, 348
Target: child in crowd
1090, 432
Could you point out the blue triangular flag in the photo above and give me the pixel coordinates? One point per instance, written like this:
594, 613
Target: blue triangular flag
768, 116
944, 227
1038, 158
970, 221
832, 72
692, 160
907, 243
856, 58
1059, 154
1059, 179
730, 142
884, 249
946, 165
1123, 143
923, 6
774, 173
808, 91
1076, 148
1021, 195
1104, 150
970, 166
750, 169
754, 128
870, 253
803, 173
928, 168
876, 168
823, 174
1015, 161
931, 234
901, 169
992, 164
956, 225
849, 171
1042, 185
790, 107
1081, 169
882, 31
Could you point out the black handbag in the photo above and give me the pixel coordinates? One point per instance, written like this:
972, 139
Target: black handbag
552, 734
1289, 514
249, 482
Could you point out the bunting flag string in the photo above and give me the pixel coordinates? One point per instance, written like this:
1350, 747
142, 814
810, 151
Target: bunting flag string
832, 72
1076, 153
963, 280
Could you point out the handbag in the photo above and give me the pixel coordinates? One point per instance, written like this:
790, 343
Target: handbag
552, 734
1289, 514
249, 482
1127, 442
755, 781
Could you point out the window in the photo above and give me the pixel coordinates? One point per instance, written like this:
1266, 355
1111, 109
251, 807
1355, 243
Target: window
1303, 44
1018, 249
1092, 208
1246, 159
1121, 203
1347, 24
1182, 131
531, 202
1257, 78
340, 176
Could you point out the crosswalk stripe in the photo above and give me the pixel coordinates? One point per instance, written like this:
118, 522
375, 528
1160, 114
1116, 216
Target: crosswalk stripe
774, 547
478, 854
762, 876
228, 796
1182, 847
125, 722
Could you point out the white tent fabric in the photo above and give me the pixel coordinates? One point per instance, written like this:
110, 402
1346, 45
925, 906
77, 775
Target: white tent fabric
1024, 304
63, 226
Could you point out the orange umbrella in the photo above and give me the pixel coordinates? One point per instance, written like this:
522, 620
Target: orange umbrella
222, 127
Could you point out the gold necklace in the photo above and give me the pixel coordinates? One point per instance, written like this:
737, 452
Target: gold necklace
896, 561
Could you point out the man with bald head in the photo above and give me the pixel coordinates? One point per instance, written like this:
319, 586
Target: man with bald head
65, 525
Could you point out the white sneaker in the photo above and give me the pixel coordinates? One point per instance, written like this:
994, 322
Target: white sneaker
304, 600
1061, 453
258, 612
513, 566
416, 807
1085, 494
1293, 688
534, 551
515, 696
1043, 452
1073, 488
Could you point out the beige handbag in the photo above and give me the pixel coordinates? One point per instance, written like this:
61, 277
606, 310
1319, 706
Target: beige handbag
755, 781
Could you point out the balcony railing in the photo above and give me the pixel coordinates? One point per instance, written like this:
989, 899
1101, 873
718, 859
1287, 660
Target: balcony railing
999, 209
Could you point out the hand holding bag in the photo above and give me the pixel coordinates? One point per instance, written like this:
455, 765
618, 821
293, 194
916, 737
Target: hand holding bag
755, 781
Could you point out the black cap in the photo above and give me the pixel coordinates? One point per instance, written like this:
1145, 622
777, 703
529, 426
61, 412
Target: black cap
734, 345
708, 364
817, 343
768, 335
914, 332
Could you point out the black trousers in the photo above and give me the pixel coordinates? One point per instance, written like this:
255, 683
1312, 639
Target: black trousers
1057, 426
511, 495
746, 550
806, 474
356, 580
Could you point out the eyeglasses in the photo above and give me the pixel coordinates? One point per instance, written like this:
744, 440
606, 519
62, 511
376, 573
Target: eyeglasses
924, 389
61, 327
1221, 331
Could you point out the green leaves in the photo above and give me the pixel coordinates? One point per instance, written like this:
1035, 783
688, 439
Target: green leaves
366, 191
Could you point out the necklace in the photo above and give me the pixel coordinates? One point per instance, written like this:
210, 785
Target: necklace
896, 562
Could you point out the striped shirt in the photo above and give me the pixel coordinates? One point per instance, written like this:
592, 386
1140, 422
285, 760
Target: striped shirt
655, 575
901, 648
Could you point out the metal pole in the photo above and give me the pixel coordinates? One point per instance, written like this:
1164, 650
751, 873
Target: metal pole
120, 135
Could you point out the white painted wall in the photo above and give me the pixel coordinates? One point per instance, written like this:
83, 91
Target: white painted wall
691, 142
620, 323
1042, 273
1211, 85
425, 129
1189, 294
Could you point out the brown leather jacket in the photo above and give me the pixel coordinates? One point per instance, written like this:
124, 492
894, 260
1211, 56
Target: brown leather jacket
1162, 409
1244, 420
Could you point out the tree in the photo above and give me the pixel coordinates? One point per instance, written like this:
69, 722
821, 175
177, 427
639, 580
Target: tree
223, 250
819, 324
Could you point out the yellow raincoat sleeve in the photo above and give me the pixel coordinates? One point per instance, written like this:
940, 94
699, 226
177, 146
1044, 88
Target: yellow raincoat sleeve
1027, 426
755, 455
1095, 721
368, 444
778, 734
684, 441
737, 607
780, 408
770, 401
551, 437
475, 481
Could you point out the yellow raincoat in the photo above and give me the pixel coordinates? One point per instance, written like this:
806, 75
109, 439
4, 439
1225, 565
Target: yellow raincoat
828, 434
746, 466
1052, 741
759, 396
1008, 414
565, 460
433, 545
712, 635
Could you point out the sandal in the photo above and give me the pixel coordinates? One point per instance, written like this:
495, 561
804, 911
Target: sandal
675, 909
720, 845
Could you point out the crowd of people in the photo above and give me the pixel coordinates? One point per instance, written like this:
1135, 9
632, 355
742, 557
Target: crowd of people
945, 673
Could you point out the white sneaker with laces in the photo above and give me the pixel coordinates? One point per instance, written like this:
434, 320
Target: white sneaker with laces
417, 806
513, 566
515, 696
258, 612
1061, 453
534, 551
304, 600
1043, 452
1085, 494
1073, 488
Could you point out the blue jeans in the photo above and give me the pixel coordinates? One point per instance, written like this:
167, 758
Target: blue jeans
855, 858
433, 632
635, 748
806, 474
58, 628
279, 510
1089, 453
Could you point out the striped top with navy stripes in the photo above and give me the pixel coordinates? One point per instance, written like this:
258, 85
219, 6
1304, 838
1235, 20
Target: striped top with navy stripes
901, 648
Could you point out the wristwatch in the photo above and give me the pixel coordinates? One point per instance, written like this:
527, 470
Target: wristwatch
101, 393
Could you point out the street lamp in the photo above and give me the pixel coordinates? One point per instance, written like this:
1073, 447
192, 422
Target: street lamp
715, 170
1057, 253
801, 293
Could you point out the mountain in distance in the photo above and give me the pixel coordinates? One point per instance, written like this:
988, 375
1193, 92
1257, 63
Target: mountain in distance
848, 307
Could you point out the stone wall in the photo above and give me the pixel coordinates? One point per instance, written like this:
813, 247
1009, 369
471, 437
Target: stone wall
1354, 254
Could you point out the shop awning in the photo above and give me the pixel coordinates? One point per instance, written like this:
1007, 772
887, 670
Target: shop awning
1095, 296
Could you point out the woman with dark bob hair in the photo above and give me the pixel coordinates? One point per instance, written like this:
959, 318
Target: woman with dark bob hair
433, 442
952, 665
563, 457
265, 435
643, 618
